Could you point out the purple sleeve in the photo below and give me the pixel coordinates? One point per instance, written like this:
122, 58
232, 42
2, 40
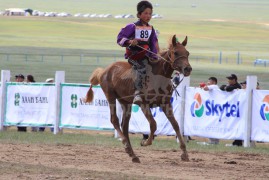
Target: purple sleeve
125, 34
152, 45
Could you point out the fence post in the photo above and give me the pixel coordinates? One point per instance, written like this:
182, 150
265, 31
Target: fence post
251, 84
220, 57
238, 57
97, 59
59, 78
184, 84
212, 60
5, 76
81, 57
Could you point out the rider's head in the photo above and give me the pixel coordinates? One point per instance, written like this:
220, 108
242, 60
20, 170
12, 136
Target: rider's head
142, 6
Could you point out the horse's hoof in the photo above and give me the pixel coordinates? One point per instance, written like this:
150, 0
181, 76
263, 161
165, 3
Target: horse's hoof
185, 157
136, 160
142, 143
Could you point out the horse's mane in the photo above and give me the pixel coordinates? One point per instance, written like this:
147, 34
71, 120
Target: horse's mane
169, 46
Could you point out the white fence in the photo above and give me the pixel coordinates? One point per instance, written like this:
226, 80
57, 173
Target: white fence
241, 114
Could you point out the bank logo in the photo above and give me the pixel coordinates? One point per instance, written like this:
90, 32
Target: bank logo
264, 111
74, 99
17, 99
197, 108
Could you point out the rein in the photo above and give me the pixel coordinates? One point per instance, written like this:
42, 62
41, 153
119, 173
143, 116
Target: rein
170, 58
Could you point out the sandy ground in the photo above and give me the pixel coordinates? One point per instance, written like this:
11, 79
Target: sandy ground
36, 161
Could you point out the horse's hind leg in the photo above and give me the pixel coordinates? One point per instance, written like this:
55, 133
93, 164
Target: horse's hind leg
125, 128
115, 120
168, 110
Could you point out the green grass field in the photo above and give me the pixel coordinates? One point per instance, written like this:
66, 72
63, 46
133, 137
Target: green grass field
106, 139
226, 26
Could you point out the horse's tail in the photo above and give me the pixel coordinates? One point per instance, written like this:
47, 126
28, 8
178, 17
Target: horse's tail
94, 80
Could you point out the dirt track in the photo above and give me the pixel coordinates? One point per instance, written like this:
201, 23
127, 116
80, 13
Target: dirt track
25, 161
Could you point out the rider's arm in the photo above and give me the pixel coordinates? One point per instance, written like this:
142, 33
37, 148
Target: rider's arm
125, 35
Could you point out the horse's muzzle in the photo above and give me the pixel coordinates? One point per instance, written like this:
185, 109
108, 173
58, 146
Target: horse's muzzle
187, 71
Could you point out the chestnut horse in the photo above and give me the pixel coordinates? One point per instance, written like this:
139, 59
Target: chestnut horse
117, 82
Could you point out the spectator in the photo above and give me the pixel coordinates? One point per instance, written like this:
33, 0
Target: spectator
258, 85
211, 85
50, 80
20, 78
42, 129
30, 79
243, 84
232, 84
176, 79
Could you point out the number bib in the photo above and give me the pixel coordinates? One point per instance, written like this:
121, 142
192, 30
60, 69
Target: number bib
143, 33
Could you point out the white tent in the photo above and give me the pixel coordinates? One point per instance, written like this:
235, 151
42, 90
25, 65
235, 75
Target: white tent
15, 12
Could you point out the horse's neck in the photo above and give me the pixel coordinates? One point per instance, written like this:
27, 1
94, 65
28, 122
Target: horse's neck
162, 68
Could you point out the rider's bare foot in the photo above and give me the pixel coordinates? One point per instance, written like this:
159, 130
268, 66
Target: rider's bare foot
137, 100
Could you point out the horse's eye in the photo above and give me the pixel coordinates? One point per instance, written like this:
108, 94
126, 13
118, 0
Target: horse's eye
176, 54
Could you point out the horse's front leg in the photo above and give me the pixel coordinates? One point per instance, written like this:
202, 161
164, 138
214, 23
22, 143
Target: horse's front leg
125, 128
152, 123
168, 110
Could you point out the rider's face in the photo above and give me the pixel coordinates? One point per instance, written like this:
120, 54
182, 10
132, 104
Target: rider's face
145, 16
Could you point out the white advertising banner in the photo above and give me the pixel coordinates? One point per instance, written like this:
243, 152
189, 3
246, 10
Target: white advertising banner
260, 116
30, 104
74, 113
139, 123
215, 114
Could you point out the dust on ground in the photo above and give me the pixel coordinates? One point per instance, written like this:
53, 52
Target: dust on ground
61, 161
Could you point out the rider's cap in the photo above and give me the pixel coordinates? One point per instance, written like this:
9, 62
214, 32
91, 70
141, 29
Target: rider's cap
232, 76
19, 76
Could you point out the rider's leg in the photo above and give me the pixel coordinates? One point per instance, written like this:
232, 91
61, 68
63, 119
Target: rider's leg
140, 67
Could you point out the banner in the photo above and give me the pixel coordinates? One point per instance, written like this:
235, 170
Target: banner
74, 113
215, 114
139, 124
260, 116
30, 104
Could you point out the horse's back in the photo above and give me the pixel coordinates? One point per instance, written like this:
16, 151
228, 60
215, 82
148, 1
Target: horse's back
118, 80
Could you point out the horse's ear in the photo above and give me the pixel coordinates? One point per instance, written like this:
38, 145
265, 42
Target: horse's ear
174, 41
184, 43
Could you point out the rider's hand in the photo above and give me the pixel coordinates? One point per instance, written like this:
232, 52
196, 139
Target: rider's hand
133, 42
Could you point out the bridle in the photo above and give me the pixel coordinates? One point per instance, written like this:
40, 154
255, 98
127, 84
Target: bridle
172, 59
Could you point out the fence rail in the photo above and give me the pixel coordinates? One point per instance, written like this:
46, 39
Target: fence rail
218, 57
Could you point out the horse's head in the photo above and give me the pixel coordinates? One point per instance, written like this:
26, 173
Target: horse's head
178, 56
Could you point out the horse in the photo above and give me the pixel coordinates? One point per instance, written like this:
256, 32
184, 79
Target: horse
117, 83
